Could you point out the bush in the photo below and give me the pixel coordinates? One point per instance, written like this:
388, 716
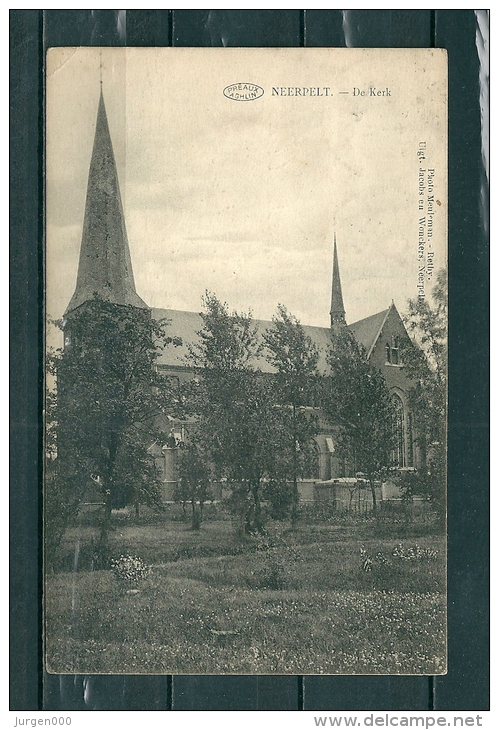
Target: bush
280, 497
129, 569
429, 484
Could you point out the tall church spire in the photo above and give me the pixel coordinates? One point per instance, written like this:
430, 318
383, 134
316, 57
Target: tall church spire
105, 267
337, 312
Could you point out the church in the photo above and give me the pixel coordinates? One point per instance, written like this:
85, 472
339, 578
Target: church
105, 269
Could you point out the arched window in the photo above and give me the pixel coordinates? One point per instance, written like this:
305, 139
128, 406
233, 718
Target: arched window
398, 452
388, 351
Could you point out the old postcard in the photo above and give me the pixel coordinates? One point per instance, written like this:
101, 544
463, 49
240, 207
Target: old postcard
246, 331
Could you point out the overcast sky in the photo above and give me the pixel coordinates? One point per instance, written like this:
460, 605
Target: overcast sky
244, 198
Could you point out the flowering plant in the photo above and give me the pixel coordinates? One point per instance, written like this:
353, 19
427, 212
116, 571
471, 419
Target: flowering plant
399, 553
130, 568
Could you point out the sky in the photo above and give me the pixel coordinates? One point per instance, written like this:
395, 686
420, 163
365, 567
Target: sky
244, 198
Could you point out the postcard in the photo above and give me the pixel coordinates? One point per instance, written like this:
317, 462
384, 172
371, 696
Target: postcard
246, 322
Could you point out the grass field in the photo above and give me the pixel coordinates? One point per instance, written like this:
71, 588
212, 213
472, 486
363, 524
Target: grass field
303, 601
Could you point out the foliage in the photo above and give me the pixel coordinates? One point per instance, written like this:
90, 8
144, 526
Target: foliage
272, 574
294, 356
193, 483
281, 495
103, 417
129, 569
359, 402
238, 423
411, 553
428, 482
425, 362
228, 340
60, 507
414, 552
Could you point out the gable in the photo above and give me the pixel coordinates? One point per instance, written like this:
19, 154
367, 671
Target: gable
392, 326
366, 331
394, 372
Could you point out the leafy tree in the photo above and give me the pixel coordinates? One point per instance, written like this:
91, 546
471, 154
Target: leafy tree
425, 361
239, 425
194, 482
428, 483
279, 492
359, 403
103, 416
294, 356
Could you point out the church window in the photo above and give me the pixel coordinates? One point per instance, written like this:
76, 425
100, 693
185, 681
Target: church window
392, 350
395, 351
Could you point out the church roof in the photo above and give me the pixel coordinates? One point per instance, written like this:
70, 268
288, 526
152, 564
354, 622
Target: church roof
105, 267
366, 331
186, 325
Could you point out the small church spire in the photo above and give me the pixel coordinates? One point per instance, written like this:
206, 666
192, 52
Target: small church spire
105, 266
337, 312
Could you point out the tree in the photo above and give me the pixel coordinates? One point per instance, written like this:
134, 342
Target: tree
294, 356
425, 361
238, 424
104, 413
194, 482
359, 403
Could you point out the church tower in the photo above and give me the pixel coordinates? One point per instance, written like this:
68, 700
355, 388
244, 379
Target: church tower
107, 336
105, 267
337, 312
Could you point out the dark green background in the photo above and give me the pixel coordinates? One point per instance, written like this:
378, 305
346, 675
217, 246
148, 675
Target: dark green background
466, 687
